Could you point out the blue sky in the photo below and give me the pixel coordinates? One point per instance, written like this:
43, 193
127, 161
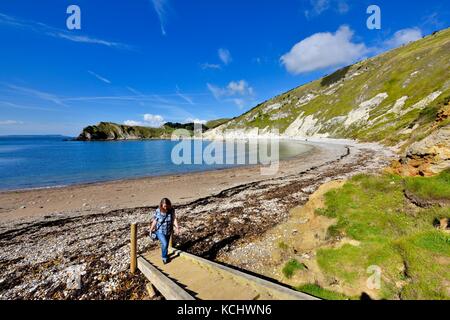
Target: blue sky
150, 61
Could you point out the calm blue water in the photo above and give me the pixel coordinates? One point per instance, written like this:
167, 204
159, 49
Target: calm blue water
47, 161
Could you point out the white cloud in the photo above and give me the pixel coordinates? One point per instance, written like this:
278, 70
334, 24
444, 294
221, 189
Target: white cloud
38, 94
195, 120
156, 99
133, 123
216, 91
238, 92
154, 120
184, 97
404, 36
161, 10
25, 107
86, 39
239, 102
207, 65
99, 77
317, 7
44, 29
150, 120
240, 87
433, 20
343, 7
9, 122
233, 88
323, 50
134, 91
225, 56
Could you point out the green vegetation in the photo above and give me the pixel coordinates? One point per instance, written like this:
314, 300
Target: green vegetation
282, 245
215, 123
319, 292
393, 234
170, 126
114, 131
430, 188
291, 266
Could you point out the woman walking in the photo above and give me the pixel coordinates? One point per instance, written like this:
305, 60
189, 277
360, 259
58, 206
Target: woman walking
164, 220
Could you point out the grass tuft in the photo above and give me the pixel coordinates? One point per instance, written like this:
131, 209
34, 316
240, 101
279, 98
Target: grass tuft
319, 292
430, 188
291, 267
282, 245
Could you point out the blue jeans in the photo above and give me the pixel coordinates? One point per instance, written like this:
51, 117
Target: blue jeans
164, 239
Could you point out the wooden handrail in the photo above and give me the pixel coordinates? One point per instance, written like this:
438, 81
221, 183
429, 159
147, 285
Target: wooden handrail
167, 287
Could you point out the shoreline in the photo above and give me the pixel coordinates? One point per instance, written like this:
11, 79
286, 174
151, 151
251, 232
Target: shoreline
313, 142
101, 182
105, 196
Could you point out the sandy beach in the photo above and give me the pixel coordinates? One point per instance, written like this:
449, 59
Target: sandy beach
47, 235
142, 192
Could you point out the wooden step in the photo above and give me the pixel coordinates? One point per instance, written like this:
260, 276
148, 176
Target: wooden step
207, 280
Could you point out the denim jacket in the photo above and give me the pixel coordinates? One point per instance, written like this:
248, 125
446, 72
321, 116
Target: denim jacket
166, 227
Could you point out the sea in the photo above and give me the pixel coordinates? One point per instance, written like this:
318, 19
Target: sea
28, 162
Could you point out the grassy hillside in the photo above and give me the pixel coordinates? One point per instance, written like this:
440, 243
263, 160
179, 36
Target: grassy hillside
114, 131
215, 123
390, 98
406, 241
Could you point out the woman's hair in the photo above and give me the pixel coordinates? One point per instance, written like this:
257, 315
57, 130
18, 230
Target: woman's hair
165, 201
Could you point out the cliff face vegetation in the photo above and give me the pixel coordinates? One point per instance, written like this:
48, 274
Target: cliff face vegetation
111, 131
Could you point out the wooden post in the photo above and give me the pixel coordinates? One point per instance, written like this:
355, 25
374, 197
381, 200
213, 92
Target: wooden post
133, 248
171, 240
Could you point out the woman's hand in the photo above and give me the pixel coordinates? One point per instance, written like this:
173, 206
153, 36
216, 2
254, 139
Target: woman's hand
153, 226
175, 224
